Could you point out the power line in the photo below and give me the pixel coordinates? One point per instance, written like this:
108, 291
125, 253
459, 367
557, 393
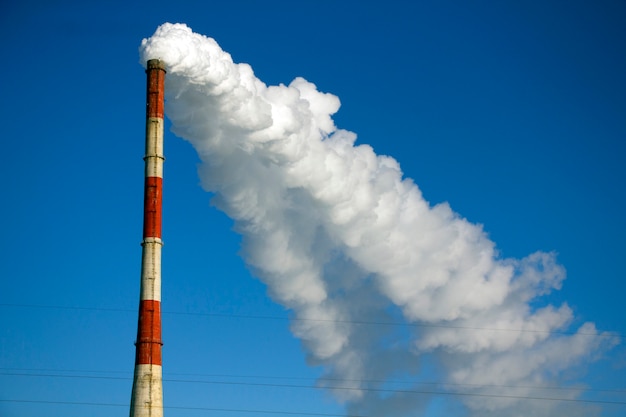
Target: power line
359, 322
231, 410
29, 372
421, 392
344, 388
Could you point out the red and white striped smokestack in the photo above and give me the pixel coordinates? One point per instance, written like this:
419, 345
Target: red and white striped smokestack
147, 394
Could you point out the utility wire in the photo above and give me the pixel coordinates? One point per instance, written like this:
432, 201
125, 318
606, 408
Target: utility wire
230, 410
420, 392
341, 388
359, 322
30, 372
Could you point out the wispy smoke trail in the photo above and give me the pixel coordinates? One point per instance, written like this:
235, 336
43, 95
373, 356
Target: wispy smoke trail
339, 235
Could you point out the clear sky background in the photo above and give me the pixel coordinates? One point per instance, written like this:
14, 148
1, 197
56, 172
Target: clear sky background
513, 112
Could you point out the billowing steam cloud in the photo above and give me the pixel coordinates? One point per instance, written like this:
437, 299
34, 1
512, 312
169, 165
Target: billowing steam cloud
339, 236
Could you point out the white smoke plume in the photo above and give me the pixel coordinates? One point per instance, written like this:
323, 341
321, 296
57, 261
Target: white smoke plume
344, 241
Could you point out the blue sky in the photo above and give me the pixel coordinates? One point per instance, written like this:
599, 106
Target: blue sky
514, 114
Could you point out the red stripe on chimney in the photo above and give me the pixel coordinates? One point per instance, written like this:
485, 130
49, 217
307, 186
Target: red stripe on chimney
152, 207
149, 334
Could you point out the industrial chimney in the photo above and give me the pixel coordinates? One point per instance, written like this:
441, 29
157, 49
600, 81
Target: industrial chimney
147, 394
